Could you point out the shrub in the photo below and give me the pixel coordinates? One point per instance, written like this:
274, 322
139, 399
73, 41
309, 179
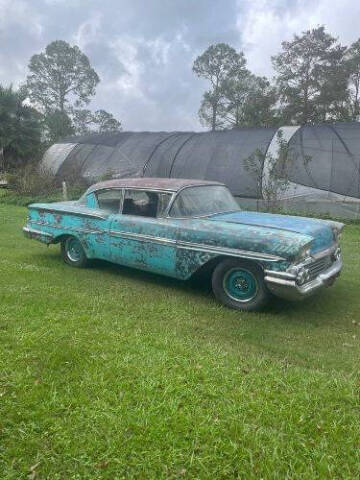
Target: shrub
33, 183
32, 180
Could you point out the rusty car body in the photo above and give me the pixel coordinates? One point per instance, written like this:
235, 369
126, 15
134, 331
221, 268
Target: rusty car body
177, 227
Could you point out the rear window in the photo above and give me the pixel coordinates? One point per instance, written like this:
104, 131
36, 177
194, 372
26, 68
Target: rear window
109, 200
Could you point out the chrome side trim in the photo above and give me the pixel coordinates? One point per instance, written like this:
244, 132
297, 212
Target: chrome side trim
233, 252
64, 227
141, 237
37, 232
70, 212
198, 246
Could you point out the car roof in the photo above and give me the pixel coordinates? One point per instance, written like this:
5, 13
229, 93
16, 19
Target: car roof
151, 183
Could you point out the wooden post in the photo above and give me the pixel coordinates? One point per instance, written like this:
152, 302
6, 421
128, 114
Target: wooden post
64, 191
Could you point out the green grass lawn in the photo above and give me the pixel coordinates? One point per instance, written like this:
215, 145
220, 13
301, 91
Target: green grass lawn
111, 373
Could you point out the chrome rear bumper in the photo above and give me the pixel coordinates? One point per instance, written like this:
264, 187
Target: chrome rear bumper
43, 237
284, 285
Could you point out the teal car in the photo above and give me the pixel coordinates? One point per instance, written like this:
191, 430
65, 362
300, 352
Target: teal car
178, 228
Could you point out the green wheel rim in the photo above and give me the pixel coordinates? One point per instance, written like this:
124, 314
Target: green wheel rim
74, 249
240, 285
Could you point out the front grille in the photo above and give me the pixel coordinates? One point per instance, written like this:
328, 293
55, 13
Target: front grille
318, 266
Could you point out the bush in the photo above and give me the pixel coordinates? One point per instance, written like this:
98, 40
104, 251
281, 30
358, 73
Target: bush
36, 184
32, 180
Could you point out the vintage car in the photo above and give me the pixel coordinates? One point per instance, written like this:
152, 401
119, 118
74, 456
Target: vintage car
180, 227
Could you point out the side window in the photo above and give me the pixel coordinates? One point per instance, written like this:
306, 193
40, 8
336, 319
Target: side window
145, 203
90, 201
109, 200
164, 199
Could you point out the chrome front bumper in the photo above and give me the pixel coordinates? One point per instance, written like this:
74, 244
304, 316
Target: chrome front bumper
284, 284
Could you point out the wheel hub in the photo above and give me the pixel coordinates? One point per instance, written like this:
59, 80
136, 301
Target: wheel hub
74, 250
240, 284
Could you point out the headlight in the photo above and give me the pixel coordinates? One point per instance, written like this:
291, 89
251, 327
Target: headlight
337, 254
336, 233
302, 276
305, 252
337, 228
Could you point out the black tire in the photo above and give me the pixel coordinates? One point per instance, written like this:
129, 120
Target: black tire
240, 285
73, 253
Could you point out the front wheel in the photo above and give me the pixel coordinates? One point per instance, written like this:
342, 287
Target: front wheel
240, 285
73, 253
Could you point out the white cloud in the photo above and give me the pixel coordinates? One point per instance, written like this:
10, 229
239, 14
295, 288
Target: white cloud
264, 24
159, 50
154, 89
88, 31
143, 50
126, 50
19, 13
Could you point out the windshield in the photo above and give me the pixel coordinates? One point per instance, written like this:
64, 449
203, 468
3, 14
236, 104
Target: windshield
202, 201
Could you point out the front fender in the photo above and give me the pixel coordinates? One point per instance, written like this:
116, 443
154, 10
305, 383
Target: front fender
245, 241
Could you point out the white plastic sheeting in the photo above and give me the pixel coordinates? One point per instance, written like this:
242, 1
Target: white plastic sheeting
55, 156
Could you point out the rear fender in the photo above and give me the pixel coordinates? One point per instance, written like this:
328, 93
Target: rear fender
62, 238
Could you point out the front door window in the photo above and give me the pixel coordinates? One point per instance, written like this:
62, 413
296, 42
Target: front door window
145, 203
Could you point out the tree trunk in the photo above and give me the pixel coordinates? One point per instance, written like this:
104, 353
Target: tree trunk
237, 117
306, 96
356, 101
214, 115
306, 106
2, 160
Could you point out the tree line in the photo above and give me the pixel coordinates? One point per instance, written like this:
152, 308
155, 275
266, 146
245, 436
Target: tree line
316, 80
50, 105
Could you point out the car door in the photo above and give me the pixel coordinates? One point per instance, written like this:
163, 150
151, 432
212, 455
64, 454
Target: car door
140, 236
105, 203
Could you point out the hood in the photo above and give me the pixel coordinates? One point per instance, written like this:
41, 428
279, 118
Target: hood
320, 230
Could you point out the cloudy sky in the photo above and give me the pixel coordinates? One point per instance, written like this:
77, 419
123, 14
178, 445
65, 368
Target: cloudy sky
143, 50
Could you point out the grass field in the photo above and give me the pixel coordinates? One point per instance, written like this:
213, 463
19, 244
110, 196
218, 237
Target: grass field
111, 373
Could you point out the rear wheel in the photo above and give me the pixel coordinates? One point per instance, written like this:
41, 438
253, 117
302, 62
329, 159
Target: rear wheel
240, 285
73, 253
